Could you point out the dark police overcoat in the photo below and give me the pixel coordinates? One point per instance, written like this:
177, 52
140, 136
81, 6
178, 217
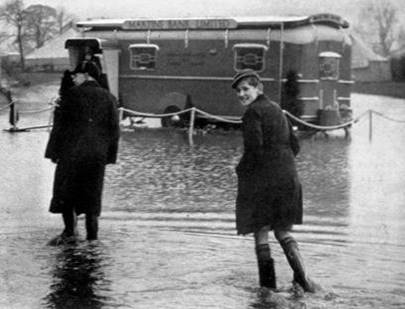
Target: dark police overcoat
84, 138
269, 191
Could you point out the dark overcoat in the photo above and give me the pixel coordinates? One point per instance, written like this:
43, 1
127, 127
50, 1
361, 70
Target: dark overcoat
84, 138
269, 191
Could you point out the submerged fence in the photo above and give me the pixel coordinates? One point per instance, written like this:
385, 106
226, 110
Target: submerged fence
14, 115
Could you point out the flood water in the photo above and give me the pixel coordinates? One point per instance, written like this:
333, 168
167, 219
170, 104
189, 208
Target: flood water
167, 231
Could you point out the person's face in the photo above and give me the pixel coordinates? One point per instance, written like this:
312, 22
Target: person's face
246, 93
79, 78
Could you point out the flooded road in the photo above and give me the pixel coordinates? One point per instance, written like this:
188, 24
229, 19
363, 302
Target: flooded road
167, 229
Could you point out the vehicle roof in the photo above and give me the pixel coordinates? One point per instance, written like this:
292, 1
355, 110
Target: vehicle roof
213, 23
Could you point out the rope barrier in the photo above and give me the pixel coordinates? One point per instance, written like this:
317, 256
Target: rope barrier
35, 111
178, 113
54, 104
217, 117
340, 126
155, 115
6, 106
324, 128
387, 117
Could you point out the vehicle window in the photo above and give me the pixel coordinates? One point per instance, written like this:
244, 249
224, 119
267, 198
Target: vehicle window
329, 67
249, 56
143, 56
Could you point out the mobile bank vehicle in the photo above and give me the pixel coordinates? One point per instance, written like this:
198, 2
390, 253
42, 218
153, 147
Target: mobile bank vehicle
166, 65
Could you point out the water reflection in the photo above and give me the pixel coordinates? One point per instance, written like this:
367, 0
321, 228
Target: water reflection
158, 171
78, 279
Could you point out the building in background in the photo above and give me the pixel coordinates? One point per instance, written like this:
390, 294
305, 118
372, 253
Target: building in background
52, 56
397, 60
367, 66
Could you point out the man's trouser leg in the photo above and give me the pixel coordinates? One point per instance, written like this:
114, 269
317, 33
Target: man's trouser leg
92, 226
70, 221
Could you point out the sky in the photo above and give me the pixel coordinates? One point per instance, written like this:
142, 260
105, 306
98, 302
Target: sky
84, 9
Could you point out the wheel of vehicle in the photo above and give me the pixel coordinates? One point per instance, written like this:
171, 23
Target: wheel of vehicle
171, 121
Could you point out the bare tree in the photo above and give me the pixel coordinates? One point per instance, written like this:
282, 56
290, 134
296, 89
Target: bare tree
3, 37
64, 20
387, 20
41, 23
13, 13
401, 37
33, 25
378, 24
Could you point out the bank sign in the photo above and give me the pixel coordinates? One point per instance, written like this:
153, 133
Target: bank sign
147, 24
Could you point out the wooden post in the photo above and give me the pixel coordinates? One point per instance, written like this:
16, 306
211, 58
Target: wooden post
13, 117
370, 125
51, 118
281, 64
191, 127
121, 114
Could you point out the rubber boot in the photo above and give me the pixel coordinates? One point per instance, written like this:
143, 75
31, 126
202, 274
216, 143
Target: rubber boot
267, 275
91, 226
70, 221
296, 262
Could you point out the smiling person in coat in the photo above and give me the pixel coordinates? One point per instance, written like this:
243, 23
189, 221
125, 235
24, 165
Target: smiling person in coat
269, 191
84, 138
